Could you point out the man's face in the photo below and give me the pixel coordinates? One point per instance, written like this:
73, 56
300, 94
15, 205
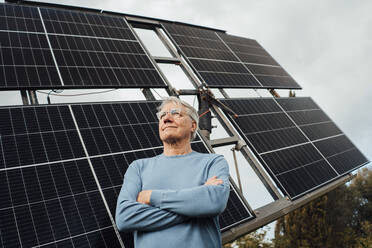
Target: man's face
174, 128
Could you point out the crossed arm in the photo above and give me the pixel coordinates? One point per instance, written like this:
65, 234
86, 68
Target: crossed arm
145, 195
151, 210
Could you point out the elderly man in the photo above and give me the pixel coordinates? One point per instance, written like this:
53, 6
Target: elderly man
174, 199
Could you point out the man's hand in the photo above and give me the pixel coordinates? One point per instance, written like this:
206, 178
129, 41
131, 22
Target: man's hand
213, 181
144, 197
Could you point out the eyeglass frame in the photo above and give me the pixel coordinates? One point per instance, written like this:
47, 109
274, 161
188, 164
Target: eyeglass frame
162, 114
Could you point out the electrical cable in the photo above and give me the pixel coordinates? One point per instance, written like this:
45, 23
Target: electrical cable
80, 94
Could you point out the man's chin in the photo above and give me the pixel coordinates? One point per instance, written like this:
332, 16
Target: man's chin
171, 140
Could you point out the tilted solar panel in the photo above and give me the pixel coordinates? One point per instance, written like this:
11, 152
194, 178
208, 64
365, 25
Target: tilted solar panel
62, 166
229, 61
210, 57
53, 48
48, 194
297, 143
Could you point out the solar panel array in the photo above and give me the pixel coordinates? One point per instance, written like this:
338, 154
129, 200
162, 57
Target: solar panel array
226, 61
53, 48
297, 143
61, 170
62, 166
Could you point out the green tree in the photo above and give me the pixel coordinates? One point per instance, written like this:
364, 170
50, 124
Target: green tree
365, 240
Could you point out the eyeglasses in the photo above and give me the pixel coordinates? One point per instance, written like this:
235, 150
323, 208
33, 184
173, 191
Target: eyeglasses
175, 113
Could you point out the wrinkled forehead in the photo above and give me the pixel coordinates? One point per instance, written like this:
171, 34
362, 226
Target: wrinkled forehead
172, 105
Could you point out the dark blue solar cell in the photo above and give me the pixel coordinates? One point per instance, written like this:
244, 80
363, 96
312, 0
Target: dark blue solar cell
5, 199
17, 187
47, 185
8, 227
42, 223
25, 226
32, 185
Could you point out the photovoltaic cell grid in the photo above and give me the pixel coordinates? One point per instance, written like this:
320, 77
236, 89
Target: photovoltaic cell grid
210, 57
90, 50
48, 193
296, 142
229, 61
259, 62
25, 56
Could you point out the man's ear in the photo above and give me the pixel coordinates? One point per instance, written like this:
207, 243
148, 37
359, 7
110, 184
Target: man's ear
193, 125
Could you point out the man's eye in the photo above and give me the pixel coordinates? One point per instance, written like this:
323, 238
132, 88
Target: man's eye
175, 112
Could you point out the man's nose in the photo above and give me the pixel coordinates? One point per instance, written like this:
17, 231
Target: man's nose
167, 117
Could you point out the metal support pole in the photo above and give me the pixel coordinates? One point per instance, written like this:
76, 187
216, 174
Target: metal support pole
148, 94
224, 93
274, 93
237, 170
292, 93
33, 97
205, 121
24, 97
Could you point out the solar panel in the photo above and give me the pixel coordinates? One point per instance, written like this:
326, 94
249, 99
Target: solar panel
53, 48
48, 192
259, 62
229, 61
61, 169
297, 143
210, 57
25, 57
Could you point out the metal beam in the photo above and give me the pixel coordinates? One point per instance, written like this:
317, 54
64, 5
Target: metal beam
33, 97
224, 141
188, 92
279, 208
148, 94
167, 60
24, 97
134, 20
224, 93
274, 93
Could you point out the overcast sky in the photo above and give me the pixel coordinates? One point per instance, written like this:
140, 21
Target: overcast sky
326, 46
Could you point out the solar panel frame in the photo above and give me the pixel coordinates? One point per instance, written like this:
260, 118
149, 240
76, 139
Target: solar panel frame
297, 164
67, 49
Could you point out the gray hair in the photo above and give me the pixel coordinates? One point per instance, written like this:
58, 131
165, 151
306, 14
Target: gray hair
191, 111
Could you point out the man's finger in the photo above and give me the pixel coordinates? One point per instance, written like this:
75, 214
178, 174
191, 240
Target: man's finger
214, 181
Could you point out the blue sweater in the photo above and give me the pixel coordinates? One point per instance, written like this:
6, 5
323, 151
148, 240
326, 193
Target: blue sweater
183, 212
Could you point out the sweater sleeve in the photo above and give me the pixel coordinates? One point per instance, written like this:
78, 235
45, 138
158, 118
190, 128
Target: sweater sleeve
132, 215
200, 201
